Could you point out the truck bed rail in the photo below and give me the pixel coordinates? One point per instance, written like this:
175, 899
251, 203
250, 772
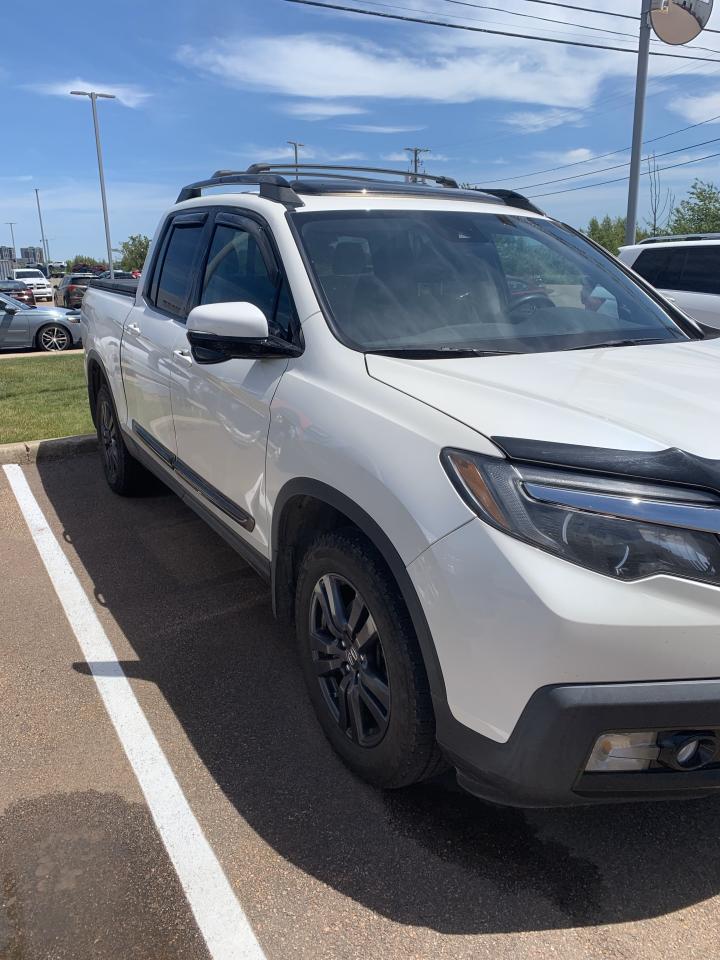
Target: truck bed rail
126, 288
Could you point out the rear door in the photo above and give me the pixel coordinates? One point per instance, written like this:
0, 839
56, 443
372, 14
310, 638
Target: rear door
689, 275
155, 327
222, 410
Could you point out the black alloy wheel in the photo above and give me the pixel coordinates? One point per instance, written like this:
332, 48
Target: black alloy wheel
349, 660
107, 428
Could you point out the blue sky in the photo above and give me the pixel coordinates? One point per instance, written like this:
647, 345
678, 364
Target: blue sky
222, 84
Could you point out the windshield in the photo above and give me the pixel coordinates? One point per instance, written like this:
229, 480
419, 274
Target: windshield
442, 280
29, 275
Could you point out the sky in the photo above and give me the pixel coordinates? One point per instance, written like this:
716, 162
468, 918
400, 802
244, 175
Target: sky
224, 83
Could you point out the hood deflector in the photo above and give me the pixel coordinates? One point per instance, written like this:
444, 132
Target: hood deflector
669, 466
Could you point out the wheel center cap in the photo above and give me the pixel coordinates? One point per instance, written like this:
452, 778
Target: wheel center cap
353, 658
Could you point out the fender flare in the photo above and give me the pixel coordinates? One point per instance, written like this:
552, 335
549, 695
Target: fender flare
306, 486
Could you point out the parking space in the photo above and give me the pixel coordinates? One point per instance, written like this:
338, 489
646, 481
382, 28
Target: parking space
322, 865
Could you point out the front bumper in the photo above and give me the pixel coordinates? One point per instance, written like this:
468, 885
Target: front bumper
542, 763
516, 630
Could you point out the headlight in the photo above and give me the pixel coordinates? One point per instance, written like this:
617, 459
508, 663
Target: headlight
622, 528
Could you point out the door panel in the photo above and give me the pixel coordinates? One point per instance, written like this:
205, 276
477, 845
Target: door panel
155, 328
14, 330
147, 348
222, 418
222, 411
704, 307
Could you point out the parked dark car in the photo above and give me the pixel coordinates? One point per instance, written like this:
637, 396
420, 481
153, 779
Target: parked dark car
71, 289
19, 290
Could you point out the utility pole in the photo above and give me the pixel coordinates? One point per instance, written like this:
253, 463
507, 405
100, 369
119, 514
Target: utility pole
416, 151
42, 229
93, 100
296, 146
11, 224
640, 88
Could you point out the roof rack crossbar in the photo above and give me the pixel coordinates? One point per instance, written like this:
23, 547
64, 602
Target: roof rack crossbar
272, 186
308, 168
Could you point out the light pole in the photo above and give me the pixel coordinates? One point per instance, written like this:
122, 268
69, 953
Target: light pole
296, 146
93, 100
11, 224
640, 88
42, 229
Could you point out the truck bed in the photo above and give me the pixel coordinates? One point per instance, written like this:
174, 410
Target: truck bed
126, 288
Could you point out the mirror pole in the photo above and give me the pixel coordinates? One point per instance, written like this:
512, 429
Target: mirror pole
640, 88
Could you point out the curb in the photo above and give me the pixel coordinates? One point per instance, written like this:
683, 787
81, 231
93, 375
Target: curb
57, 449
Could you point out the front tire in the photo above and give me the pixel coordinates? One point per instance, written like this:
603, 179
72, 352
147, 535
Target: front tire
124, 475
53, 338
362, 663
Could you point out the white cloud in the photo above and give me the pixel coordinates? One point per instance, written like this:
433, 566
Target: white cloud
435, 70
128, 94
377, 128
316, 110
697, 109
531, 121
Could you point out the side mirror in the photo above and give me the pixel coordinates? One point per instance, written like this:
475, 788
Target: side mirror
227, 331
10, 310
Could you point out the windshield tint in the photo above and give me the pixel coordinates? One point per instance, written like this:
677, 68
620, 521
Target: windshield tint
451, 280
29, 275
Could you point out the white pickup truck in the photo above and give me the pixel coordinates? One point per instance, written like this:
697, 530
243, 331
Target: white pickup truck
476, 458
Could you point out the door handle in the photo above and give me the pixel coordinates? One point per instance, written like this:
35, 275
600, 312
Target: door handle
183, 355
133, 328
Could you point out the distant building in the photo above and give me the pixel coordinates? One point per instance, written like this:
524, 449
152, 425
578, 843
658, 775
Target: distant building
6, 253
32, 254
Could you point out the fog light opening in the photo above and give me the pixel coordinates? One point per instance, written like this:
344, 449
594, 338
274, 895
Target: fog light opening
688, 750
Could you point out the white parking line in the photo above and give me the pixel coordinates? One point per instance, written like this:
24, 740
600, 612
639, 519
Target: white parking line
217, 911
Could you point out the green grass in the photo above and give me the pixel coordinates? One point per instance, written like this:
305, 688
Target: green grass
43, 397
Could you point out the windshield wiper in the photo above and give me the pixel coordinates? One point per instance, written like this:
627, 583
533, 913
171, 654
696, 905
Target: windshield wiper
433, 353
623, 343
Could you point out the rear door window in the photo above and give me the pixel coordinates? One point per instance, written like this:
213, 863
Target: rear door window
701, 273
662, 267
175, 275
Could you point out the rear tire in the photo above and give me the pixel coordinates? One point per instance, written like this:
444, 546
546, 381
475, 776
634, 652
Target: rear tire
362, 663
124, 474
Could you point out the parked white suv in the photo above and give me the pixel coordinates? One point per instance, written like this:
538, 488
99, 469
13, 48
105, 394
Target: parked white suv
36, 280
476, 459
685, 269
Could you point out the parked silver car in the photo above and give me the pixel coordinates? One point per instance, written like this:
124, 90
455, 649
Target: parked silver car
44, 328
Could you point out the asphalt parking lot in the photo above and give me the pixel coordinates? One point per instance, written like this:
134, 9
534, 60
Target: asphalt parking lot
322, 865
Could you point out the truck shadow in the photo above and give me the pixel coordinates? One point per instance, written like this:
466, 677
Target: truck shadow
200, 623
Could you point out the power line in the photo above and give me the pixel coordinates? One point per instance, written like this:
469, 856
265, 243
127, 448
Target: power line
571, 6
603, 183
503, 33
610, 153
532, 16
616, 166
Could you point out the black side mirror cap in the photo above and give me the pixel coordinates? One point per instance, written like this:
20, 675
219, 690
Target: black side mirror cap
209, 348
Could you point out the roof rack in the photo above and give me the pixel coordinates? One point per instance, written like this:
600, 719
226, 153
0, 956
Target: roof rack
681, 236
309, 168
272, 180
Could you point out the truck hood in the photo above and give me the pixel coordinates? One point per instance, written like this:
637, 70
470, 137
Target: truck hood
629, 398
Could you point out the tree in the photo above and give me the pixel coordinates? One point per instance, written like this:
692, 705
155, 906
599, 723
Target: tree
82, 262
699, 212
662, 201
610, 232
134, 251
